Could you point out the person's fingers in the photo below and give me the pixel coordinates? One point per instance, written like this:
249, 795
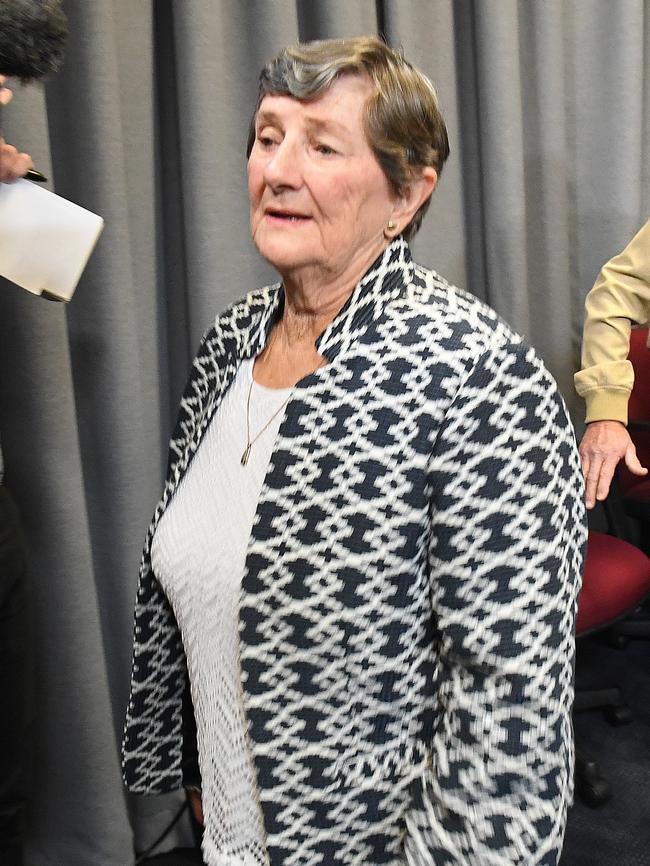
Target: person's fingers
584, 462
23, 164
591, 481
196, 804
12, 163
633, 463
8, 155
607, 469
5, 93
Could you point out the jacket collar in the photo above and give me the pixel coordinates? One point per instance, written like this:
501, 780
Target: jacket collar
382, 283
244, 333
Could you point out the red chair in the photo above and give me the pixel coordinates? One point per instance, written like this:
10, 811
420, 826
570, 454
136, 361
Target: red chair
635, 489
616, 580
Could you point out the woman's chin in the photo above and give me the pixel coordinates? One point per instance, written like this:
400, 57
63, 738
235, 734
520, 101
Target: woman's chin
284, 254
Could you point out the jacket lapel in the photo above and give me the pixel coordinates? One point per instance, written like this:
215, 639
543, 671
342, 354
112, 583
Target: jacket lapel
382, 283
239, 334
242, 333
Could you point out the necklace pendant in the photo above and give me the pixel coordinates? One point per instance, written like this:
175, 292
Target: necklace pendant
245, 455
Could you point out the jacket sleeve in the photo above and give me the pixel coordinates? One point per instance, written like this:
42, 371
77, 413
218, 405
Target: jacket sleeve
505, 556
619, 298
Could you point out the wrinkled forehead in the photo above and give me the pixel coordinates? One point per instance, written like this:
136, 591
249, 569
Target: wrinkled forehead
342, 102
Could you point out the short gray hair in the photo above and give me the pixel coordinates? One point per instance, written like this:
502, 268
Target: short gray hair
403, 123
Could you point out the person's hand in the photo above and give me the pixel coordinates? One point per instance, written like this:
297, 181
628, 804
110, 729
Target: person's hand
5, 94
605, 443
13, 164
196, 804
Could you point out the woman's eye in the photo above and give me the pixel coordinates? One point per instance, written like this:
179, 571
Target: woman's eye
325, 149
265, 139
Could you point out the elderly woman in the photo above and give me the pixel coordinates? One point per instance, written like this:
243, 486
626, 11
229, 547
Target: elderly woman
354, 624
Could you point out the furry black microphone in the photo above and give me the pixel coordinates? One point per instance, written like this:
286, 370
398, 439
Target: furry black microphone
32, 37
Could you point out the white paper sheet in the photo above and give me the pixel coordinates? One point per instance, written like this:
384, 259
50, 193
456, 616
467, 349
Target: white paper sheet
45, 240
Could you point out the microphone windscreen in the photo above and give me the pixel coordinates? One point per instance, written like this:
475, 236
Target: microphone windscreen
32, 37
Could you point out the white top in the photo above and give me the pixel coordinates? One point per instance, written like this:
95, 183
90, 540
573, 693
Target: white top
198, 555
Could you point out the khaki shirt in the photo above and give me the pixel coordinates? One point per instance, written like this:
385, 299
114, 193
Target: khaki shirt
619, 298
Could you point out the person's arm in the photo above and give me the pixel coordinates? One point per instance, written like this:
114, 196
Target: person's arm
505, 554
619, 298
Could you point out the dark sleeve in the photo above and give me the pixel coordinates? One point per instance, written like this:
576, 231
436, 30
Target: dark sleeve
505, 555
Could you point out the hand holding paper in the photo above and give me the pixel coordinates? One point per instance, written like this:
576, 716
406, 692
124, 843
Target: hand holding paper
45, 240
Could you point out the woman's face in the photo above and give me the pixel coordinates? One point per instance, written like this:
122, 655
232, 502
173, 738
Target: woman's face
319, 200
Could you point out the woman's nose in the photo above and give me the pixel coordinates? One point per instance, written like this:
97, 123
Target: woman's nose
284, 167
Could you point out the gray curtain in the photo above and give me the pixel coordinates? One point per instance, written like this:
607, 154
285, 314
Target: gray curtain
548, 107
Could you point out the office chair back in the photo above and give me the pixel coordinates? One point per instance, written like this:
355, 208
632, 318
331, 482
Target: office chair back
636, 487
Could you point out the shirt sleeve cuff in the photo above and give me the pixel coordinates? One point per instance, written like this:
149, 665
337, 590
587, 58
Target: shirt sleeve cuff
604, 404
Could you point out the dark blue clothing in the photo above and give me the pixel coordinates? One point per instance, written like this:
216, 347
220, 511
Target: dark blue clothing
15, 682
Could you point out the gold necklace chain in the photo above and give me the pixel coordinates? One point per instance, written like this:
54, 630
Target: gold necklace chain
250, 442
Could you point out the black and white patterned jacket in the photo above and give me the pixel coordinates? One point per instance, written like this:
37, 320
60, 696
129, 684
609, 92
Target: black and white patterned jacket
407, 610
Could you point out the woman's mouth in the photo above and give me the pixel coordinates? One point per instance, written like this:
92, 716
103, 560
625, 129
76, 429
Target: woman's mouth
286, 216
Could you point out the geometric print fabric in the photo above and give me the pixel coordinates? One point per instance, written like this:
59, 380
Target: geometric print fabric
407, 610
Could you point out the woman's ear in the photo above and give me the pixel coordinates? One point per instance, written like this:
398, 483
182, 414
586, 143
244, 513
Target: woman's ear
412, 197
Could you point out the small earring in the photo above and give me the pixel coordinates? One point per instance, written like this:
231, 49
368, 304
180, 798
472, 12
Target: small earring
391, 226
